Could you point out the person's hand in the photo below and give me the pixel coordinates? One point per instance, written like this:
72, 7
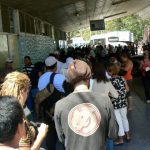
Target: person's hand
147, 69
42, 130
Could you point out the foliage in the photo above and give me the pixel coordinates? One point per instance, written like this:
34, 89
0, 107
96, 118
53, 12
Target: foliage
131, 23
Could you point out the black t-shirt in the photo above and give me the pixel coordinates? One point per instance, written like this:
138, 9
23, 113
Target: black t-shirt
85, 120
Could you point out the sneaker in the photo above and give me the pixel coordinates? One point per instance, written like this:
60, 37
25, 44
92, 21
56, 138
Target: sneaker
147, 101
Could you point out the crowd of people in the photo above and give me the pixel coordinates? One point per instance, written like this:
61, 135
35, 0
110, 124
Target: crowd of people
75, 100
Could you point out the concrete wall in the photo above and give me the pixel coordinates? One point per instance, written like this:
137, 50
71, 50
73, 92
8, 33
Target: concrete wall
9, 50
36, 46
3, 51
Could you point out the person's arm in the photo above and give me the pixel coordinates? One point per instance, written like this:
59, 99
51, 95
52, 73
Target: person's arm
141, 65
126, 85
112, 91
24, 144
58, 124
112, 123
42, 132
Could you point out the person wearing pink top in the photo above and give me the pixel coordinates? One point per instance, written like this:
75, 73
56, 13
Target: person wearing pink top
145, 73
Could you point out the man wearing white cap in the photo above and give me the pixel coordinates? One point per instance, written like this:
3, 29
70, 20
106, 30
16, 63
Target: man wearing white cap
57, 81
51, 67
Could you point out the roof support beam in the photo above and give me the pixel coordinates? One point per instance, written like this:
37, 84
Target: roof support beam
1, 25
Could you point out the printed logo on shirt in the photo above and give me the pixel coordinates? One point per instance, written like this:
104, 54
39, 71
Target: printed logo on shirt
84, 119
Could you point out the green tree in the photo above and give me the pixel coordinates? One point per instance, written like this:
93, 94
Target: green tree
131, 23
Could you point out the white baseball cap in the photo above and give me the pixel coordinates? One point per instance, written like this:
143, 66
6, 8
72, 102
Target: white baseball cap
50, 61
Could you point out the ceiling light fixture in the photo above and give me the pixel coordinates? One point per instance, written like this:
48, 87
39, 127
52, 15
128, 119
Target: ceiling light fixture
115, 15
119, 2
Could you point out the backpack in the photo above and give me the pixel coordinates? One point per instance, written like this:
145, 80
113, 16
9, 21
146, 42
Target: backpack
50, 95
54, 97
45, 99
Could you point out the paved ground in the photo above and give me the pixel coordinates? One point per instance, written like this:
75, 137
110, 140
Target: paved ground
139, 120
138, 88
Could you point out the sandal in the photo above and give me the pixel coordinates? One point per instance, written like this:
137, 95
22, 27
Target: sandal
118, 144
128, 139
129, 109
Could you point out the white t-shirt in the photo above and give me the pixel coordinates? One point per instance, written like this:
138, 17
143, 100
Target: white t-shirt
59, 66
45, 79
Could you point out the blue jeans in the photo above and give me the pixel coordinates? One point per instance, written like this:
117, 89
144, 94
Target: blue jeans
110, 144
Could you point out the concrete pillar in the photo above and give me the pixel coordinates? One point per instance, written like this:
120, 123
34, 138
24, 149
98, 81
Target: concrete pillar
53, 33
16, 21
1, 25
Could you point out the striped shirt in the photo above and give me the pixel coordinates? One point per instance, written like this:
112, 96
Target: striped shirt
28, 69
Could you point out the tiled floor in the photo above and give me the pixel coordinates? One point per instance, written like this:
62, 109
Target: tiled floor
139, 120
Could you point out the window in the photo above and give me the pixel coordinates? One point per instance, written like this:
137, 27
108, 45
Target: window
7, 19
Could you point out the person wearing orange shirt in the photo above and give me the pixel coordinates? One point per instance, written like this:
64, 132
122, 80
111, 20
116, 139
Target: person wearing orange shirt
127, 65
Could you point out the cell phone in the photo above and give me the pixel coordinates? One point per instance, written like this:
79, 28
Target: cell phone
35, 124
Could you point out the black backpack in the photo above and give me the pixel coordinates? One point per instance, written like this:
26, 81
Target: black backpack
49, 96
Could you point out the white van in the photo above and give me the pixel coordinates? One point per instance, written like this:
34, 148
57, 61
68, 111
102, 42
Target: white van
114, 38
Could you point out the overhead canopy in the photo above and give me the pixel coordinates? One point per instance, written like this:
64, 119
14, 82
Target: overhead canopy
71, 15
144, 14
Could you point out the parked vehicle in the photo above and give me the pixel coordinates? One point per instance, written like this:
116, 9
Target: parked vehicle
114, 38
